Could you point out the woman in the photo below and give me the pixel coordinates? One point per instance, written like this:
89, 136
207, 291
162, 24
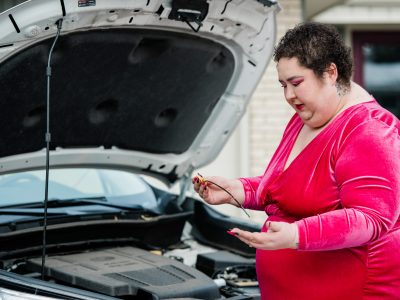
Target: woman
332, 189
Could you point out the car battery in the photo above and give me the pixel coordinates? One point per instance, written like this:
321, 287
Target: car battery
213, 263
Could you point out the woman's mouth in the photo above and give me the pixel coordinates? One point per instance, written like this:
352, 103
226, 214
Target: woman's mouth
299, 107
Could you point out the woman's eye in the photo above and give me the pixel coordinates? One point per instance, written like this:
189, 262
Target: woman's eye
296, 83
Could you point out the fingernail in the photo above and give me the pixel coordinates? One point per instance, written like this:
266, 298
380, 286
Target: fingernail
232, 233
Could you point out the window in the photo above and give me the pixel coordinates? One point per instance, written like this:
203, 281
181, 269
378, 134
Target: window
377, 66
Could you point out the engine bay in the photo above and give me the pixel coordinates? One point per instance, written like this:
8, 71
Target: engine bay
169, 256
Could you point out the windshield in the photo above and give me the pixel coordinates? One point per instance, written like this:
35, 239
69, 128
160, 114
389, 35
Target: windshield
29, 187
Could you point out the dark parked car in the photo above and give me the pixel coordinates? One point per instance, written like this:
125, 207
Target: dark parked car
99, 96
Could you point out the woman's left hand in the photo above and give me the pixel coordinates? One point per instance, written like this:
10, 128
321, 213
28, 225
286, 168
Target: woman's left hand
280, 235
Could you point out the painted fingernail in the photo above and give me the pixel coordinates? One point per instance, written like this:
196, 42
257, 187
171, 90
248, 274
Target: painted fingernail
232, 233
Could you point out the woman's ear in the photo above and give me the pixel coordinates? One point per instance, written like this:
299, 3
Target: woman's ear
332, 73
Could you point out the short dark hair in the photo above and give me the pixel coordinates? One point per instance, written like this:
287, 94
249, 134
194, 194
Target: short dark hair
316, 46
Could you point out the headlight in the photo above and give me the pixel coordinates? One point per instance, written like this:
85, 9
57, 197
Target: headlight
6, 294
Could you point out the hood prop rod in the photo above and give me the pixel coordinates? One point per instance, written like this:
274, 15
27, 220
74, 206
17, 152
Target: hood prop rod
48, 140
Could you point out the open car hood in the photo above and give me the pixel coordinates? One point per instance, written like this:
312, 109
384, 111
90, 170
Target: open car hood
151, 86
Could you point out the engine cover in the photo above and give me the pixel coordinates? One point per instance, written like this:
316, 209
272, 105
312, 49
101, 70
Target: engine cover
128, 271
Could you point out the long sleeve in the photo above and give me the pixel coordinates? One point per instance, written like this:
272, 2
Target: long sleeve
250, 186
367, 171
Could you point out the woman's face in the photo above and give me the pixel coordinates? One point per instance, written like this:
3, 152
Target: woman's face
314, 99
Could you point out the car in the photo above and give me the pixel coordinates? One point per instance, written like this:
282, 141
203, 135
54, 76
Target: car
108, 108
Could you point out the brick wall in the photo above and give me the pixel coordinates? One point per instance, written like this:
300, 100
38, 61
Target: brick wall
268, 110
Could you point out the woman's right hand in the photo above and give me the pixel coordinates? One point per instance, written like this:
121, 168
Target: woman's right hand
209, 189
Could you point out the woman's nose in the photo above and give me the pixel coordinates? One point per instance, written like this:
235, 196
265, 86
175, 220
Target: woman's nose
289, 93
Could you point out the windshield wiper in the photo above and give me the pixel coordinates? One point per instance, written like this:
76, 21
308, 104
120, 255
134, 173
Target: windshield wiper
27, 212
59, 203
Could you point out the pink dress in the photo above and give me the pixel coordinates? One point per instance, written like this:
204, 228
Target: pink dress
343, 190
